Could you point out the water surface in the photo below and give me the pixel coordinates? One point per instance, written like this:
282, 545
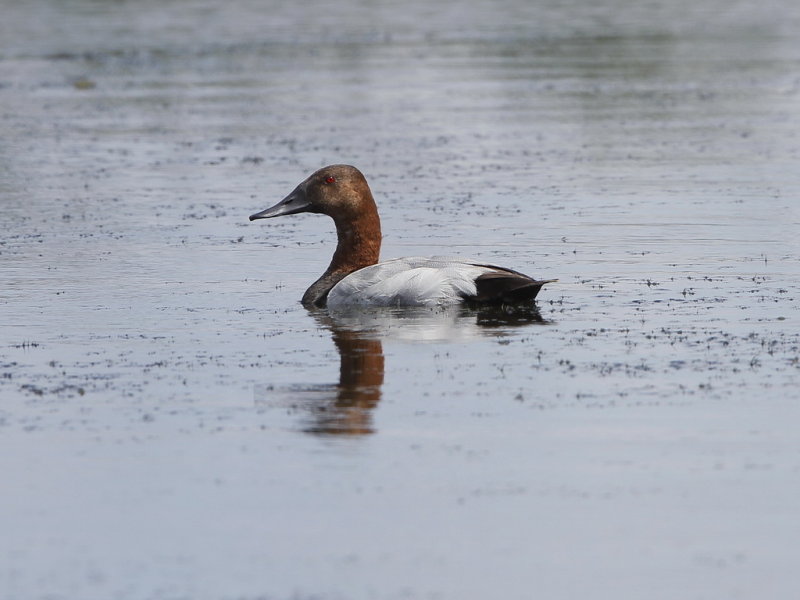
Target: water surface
175, 425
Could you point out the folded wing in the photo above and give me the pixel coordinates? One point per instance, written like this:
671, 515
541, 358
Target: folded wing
436, 281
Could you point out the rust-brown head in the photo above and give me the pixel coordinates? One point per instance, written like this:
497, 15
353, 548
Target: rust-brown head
339, 191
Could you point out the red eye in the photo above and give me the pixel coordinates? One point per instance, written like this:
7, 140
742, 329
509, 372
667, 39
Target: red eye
330, 179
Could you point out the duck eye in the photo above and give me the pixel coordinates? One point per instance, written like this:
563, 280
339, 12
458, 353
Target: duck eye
330, 179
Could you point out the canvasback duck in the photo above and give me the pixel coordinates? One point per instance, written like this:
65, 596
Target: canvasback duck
355, 277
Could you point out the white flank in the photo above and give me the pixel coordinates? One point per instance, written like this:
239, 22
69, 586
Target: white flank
411, 281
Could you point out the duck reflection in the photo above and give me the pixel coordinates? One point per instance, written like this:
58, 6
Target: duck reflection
346, 408
360, 380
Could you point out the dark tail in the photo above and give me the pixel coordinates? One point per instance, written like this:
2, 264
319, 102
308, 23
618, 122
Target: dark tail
506, 287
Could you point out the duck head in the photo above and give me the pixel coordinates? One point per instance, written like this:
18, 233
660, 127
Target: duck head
339, 191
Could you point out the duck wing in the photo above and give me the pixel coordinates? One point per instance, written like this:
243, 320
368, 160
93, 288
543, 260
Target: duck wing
436, 281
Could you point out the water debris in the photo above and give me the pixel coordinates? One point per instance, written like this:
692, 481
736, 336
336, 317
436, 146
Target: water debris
26, 345
84, 83
68, 390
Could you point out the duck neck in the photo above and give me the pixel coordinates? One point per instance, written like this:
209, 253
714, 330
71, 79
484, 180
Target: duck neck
359, 246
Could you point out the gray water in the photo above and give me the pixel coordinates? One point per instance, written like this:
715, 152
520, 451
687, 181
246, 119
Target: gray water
174, 425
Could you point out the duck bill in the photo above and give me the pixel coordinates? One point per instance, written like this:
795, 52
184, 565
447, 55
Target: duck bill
294, 203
